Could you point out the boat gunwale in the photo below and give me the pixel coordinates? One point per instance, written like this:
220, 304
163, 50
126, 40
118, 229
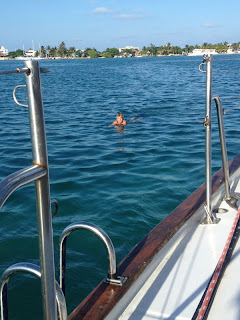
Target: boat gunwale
99, 303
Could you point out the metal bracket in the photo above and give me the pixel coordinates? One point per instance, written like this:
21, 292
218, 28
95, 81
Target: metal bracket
232, 202
210, 218
206, 121
15, 98
201, 69
119, 281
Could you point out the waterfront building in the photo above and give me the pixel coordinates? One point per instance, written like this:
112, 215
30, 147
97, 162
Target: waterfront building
30, 53
201, 52
3, 51
129, 48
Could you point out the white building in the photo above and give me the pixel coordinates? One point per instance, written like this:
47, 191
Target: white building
230, 51
3, 51
201, 52
30, 53
128, 48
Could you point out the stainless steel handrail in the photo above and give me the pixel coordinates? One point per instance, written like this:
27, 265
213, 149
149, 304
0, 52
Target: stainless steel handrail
223, 145
39, 173
231, 200
112, 273
19, 179
35, 271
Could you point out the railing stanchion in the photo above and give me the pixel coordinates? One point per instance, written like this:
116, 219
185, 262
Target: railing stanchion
208, 146
39, 151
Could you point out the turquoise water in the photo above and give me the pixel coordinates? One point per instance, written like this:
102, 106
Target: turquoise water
123, 181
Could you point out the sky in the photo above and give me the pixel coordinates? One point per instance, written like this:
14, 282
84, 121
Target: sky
111, 23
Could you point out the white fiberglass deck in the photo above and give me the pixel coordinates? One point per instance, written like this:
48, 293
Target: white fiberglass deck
173, 286
226, 304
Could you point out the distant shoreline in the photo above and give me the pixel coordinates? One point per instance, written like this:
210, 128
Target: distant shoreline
88, 58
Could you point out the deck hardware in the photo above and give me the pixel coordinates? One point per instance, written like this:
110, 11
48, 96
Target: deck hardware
112, 273
56, 207
232, 202
220, 210
210, 217
201, 67
15, 98
23, 70
27, 71
35, 271
206, 122
119, 281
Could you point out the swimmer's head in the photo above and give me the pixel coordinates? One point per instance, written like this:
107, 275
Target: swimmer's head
119, 117
119, 114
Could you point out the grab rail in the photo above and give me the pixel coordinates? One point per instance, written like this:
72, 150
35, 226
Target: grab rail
19, 179
35, 271
231, 200
39, 173
112, 273
210, 218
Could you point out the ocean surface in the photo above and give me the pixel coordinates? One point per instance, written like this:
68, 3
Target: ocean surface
125, 181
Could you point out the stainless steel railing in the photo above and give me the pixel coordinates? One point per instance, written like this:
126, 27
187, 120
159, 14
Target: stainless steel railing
210, 218
19, 179
230, 199
112, 273
39, 173
35, 271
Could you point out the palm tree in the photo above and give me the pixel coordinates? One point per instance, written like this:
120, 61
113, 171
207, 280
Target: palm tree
48, 49
71, 51
62, 50
186, 48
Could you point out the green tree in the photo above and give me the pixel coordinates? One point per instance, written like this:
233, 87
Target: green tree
128, 52
110, 52
176, 50
42, 51
153, 49
106, 54
71, 51
62, 50
15, 54
48, 50
93, 54
186, 49
86, 52
143, 52
236, 45
79, 53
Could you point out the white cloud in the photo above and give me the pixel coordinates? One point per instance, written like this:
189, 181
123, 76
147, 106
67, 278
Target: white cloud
102, 10
130, 16
208, 25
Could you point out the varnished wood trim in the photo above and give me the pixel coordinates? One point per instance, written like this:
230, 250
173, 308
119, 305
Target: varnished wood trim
101, 301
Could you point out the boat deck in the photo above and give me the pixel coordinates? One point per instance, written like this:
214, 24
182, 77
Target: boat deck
168, 271
226, 302
176, 284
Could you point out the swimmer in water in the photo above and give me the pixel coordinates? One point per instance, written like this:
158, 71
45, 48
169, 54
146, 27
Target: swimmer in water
119, 120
